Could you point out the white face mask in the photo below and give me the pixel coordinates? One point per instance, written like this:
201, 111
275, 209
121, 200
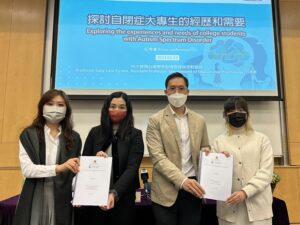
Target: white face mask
54, 114
177, 99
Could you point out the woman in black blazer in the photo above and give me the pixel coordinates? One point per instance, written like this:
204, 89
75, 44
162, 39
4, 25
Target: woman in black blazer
116, 137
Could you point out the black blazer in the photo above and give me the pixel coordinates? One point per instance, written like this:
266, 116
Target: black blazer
130, 155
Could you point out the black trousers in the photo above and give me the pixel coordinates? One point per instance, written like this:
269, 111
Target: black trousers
124, 212
185, 211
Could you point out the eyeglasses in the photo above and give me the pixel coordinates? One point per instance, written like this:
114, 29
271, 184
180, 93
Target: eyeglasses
180, 89
120, 107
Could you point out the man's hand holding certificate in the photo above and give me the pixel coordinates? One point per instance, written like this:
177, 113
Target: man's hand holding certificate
216, 175
93, 180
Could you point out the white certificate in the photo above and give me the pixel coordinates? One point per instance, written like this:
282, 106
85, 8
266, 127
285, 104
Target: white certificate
93, 180
215, 175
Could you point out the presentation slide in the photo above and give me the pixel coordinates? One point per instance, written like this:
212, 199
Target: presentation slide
224, 47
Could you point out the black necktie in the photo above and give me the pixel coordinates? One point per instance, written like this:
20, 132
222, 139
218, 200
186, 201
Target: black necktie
115, 163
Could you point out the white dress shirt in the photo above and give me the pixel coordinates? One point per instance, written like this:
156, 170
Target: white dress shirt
31, 170
186, 155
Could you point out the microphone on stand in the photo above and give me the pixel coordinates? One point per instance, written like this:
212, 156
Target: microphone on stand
144, 177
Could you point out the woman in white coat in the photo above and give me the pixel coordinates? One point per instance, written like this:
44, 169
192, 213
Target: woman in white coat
251, 200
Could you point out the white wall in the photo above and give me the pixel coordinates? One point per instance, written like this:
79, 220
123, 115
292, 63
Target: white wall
264, 116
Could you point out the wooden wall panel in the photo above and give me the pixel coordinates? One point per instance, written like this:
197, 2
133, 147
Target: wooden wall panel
9, 155
22, 32
5, 26
23, 74
288, 189
294, 153
292, 80
13, 181
290, 32
25, 66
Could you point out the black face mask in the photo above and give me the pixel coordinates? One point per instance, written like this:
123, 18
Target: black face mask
237, 119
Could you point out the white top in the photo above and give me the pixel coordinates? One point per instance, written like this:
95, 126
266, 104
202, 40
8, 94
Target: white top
186, 154
31, 170
252, 172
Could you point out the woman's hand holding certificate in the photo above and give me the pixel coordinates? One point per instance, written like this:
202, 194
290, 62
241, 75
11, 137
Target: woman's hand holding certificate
215, 175
92, 183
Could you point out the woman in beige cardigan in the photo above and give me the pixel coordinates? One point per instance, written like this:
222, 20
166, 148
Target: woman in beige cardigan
251, 198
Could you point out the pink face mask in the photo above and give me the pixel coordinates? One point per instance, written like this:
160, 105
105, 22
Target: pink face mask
117, 116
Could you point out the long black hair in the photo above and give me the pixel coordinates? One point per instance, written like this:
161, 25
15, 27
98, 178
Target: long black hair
66, 124
125, 127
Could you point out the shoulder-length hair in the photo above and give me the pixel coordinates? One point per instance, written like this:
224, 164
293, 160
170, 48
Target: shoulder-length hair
233, 103
125, 127
66, 124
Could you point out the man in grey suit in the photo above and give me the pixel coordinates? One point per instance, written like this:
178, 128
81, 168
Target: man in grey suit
175, 137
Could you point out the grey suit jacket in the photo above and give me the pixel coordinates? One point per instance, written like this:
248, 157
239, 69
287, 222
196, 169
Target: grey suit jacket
164, 143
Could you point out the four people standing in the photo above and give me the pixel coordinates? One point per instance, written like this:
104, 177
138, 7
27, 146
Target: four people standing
175, 136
